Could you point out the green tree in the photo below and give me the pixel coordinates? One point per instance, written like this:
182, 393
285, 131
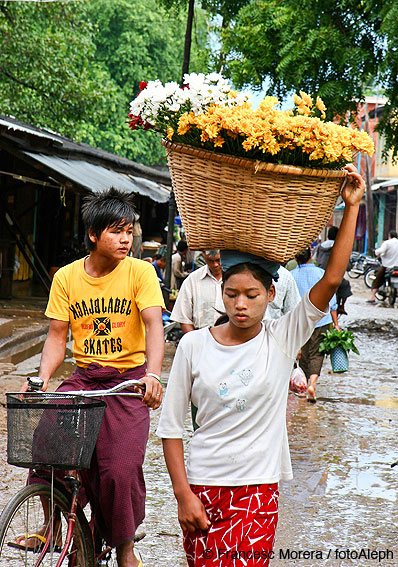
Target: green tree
73, 67
137, 41
327, 48
47, 73
225, 9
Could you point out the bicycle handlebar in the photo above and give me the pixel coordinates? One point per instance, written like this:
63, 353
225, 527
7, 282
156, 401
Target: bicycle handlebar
115, 390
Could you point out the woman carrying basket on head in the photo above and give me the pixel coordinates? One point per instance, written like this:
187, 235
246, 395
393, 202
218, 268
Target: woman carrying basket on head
237, 377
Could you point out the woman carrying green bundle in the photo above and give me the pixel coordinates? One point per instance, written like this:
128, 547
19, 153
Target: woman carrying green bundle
237, 377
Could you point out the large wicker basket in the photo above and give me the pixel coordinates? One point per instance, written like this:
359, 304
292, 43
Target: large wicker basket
235, 203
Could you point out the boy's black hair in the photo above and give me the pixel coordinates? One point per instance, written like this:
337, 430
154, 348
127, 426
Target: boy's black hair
392, 234
303, 257
110, 208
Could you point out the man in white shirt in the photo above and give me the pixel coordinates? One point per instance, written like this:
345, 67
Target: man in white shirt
388, 253
287, 295
199, 303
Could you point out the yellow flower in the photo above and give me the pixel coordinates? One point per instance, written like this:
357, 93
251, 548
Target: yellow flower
184, 124
321, 107
266, 131
307, 100
170, 132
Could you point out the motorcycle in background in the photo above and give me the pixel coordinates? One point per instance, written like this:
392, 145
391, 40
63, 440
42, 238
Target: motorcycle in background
363, 265
172, 330
389, 290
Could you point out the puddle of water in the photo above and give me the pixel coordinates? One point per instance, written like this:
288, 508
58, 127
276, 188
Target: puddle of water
390, 402
29, 366
362, 483
16, 355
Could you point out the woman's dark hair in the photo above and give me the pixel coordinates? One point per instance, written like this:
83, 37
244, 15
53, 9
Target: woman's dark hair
257, 272
303, 257
110, 208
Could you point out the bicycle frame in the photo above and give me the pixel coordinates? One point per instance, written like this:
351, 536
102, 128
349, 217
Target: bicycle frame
71, 482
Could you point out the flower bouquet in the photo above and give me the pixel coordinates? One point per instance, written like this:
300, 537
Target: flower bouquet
338, 344
259, 180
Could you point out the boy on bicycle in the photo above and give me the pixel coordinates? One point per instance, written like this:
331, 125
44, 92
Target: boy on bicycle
113, 304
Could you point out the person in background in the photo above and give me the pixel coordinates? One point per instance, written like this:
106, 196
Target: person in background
199, 302
388, 252
287, 295
159, 263
178, 274
321, 256
306, 276
137, 238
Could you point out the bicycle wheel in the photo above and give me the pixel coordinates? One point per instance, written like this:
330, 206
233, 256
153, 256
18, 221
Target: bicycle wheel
24, 515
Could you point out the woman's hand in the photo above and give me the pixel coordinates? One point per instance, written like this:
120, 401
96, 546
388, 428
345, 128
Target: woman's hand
354, 186
191, 513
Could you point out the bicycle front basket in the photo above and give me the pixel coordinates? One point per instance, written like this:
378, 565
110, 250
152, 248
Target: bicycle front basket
52, 430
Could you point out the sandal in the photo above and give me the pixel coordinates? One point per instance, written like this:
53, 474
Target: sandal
137, 555
34, 548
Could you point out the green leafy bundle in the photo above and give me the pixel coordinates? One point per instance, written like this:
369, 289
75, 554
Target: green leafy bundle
334, 338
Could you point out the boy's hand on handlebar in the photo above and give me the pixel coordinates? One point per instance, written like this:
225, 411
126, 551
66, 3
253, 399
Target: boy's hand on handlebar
32, 387
154, 392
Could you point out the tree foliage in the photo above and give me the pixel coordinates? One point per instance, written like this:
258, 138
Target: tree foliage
324, 47
137, 41
73, 67
47, 73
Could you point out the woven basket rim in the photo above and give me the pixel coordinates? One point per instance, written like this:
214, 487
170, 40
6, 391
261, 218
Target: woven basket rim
248, 163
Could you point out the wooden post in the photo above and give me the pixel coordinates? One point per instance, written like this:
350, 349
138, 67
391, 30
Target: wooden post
188, 40
169, 249
368, 194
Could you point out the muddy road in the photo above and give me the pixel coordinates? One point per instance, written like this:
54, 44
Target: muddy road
341, 509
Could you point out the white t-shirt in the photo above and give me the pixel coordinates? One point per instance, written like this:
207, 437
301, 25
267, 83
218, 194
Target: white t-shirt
240, 392
199, 300
388, 252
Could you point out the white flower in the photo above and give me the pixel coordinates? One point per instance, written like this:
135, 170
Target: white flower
158, 102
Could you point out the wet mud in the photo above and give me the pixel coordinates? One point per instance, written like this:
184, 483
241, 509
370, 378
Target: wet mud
341, 509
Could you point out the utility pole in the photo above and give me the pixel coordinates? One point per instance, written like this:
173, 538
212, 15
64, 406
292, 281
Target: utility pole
188, 40
369, 195
169, 249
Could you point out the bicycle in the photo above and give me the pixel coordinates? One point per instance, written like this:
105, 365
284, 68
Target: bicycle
40, 426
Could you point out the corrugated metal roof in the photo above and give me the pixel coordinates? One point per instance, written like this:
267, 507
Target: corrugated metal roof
97, 178
11, 125
388, 183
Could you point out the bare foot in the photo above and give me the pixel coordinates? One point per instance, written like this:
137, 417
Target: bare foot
311, 394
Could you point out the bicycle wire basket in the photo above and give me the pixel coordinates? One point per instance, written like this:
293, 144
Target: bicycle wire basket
53, 430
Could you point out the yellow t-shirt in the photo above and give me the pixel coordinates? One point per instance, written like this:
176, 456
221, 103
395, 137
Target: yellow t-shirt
104, 313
